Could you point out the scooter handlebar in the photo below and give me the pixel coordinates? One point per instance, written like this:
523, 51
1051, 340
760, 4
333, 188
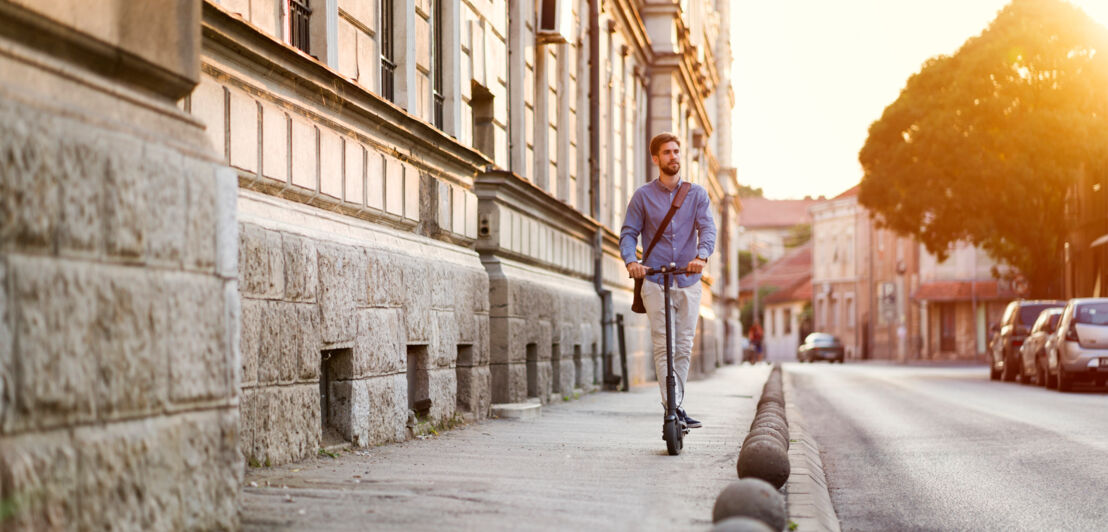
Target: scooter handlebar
666, 269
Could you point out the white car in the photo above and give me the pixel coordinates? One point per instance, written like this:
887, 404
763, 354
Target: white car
1078, 350
1033, 350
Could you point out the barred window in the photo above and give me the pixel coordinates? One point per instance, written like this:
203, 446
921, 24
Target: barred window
299, 14
388, 57
437, 60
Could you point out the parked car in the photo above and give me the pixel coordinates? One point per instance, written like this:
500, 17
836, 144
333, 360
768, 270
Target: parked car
820, 346
1009, 335
1033, 351
1078, 350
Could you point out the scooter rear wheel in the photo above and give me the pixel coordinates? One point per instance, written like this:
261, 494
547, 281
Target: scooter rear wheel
673, 435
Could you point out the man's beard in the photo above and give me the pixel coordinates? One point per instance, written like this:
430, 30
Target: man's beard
672, 169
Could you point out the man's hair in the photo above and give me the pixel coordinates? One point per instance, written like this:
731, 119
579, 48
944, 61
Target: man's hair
660, 139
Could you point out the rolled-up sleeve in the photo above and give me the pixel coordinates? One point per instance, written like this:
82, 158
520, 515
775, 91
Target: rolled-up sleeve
632, 227
705, 226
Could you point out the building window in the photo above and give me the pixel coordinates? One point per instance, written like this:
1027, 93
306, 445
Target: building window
821, 313
850, 312
388, 56
437, 60
787, 321
835, 314
947, 326
770, 315
484, 131
299, 15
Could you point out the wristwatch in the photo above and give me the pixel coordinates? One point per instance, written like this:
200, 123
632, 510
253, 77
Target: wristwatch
705, 259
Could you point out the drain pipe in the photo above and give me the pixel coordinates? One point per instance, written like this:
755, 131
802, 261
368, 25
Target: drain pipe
606, 319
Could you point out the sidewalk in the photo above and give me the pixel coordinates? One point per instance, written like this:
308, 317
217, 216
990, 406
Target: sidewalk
597, 463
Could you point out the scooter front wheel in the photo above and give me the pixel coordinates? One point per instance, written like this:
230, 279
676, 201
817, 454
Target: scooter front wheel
673, 435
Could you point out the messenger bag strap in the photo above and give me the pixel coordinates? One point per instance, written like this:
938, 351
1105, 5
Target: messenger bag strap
678, 199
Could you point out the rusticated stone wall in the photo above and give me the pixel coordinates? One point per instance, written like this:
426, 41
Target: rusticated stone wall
545, 334
307, 293
119, 304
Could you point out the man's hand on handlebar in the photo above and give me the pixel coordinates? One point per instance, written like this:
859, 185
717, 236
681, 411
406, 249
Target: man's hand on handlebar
695, 266
636, 270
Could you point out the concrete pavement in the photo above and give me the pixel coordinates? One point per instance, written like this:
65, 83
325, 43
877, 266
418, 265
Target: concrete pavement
597, 463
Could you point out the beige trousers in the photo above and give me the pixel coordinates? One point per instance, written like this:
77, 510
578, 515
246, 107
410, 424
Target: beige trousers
685, 309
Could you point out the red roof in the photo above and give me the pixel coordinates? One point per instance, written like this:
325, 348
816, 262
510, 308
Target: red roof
962, 291
762, 213
801, 291
852, 191
784, 273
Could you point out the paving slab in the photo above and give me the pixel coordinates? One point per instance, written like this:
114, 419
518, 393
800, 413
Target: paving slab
596, 463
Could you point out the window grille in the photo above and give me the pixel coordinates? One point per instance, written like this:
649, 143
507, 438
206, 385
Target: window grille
388, 59
299, 16
438, 59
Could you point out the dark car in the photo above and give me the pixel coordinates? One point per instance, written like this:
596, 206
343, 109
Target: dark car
1004, 349
820, 346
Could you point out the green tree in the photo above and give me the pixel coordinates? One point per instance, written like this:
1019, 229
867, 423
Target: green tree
982, 146
799, 235
747, 191
746, 262
746, 313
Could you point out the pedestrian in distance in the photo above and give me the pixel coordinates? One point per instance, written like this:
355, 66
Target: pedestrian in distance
687, 240
757, 335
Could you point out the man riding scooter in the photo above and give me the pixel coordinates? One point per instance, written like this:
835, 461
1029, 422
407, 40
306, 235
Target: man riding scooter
682, 233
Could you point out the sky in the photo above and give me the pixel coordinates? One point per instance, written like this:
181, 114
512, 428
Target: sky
810, 76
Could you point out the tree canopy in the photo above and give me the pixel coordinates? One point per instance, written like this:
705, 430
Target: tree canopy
984, 146
749, 191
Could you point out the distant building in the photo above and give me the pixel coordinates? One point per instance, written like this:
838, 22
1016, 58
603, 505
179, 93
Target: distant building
767, 223
1085, 251
840, 269
783, 311
958, 299
887, 298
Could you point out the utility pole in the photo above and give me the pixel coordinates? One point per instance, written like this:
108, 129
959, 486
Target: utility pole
754, 276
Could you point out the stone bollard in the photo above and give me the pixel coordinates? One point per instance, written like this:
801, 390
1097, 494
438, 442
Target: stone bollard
764, 459
751, 498
765, 451
741, 524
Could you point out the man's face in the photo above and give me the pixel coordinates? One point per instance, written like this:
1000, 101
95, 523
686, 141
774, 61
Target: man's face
669, 158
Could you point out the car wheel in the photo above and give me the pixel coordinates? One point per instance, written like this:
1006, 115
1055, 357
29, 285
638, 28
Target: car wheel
1065, 382
994, 374
1021, 370
1042, 376
1009, 372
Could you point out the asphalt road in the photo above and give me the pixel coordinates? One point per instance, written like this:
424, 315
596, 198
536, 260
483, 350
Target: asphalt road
944, 448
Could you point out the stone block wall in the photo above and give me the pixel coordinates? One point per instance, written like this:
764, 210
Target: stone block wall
118, 308
545, 334
304, 296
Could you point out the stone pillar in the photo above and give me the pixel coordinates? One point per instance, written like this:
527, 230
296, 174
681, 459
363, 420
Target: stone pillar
119, 311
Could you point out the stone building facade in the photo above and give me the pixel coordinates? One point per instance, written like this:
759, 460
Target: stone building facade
119, 305
840, 272
429, 197
236, 231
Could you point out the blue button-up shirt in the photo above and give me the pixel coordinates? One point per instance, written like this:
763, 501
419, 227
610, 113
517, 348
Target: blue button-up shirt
691, 232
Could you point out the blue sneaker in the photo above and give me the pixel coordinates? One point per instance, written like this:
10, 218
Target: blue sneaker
689, 422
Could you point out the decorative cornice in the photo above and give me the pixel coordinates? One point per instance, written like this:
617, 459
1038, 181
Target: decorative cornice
669, 63
628, 12
510, 189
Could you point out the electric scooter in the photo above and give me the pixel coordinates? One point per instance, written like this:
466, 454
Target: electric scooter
673, 427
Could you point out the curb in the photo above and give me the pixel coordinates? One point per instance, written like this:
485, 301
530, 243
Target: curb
807, 494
